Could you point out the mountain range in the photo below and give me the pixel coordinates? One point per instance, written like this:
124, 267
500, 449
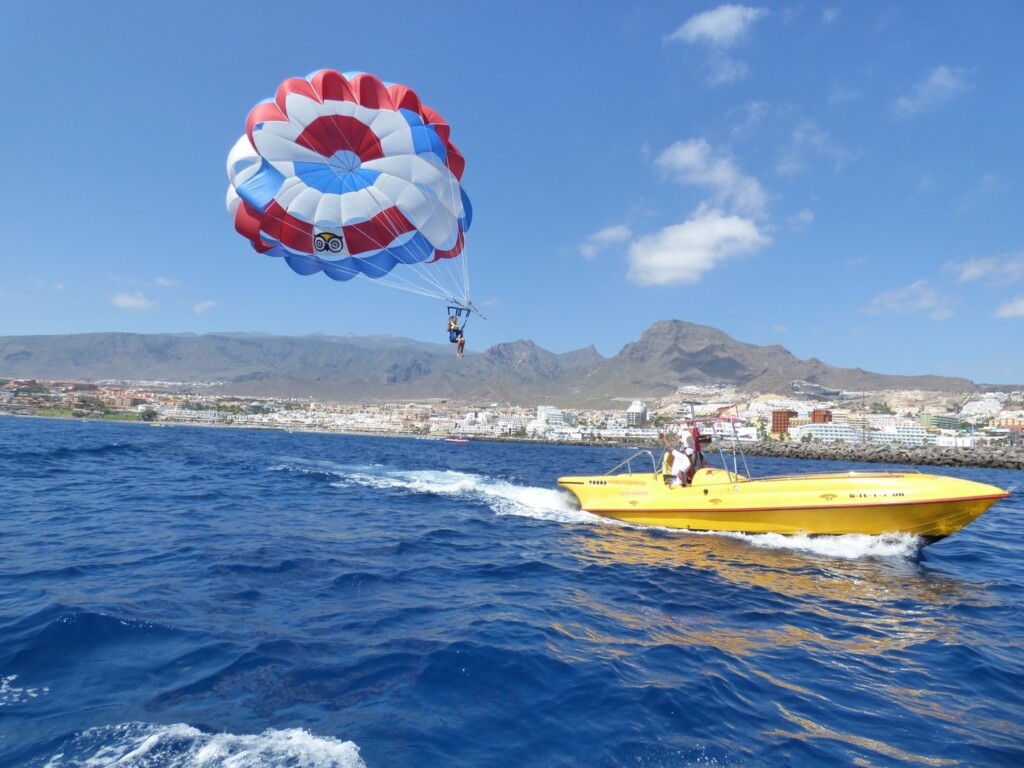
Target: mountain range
669, 354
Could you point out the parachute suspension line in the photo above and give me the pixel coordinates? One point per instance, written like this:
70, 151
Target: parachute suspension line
464, 256
384, 279
454, 201
436, 288
425, 273
389, 279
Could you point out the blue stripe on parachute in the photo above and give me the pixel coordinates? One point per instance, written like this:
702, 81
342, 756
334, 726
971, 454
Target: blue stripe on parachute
325, 179
261, 187
373, 265
303, 265
424, 138
467, 216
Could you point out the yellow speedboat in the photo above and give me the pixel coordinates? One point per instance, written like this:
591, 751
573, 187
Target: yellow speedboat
931, 506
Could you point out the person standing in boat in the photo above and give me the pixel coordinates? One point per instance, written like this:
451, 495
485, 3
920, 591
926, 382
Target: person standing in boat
680, 461
689, 446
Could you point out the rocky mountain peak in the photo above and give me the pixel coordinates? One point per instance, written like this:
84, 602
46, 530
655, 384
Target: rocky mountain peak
669, 354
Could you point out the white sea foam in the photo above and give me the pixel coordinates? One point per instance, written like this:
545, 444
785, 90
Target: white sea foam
144, 745
16, 694
556, 505
853, 546
502, 497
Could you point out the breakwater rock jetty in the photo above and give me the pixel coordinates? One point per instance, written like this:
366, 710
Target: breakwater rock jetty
997, 458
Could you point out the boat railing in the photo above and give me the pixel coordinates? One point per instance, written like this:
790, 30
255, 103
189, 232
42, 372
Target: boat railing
715, 435
736, 451
628, 463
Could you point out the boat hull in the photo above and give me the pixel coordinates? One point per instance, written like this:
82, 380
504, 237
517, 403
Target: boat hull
930, 506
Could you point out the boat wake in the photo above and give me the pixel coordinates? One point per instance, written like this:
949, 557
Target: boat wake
556, 505
501, 496
852, 546
144, 745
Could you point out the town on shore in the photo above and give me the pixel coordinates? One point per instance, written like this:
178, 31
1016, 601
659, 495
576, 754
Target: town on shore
915, 427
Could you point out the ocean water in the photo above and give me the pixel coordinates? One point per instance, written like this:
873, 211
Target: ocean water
212, 597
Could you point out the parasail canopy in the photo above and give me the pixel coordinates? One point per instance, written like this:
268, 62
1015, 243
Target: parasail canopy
350, 176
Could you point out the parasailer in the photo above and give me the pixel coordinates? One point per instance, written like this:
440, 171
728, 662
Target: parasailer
353, 177
455, 335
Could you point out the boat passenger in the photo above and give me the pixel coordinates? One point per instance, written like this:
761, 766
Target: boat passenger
689, 445
666, 463
680, 461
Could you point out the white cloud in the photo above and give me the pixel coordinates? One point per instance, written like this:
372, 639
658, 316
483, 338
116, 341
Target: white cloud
790, 165
721, 27
683, 253
829, 16
941, 85
1013, 309
914, 298
808, 139
801, 220
133, 301
694, 162
839, 95
203, 306
749, 118
724, 70
167, 282
976, 193
604, 238
997, 269
722, 227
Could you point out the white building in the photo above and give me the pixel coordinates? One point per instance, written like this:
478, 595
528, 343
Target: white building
727, 430
984, 407
829, 432
636, 414
901, 434
513, 424
550, 415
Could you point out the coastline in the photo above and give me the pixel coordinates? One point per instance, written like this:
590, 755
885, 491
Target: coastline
1011, 458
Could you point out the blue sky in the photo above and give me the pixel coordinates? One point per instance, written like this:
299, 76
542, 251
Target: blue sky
842, 179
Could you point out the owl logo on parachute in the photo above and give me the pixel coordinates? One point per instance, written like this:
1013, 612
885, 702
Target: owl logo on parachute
326, 241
